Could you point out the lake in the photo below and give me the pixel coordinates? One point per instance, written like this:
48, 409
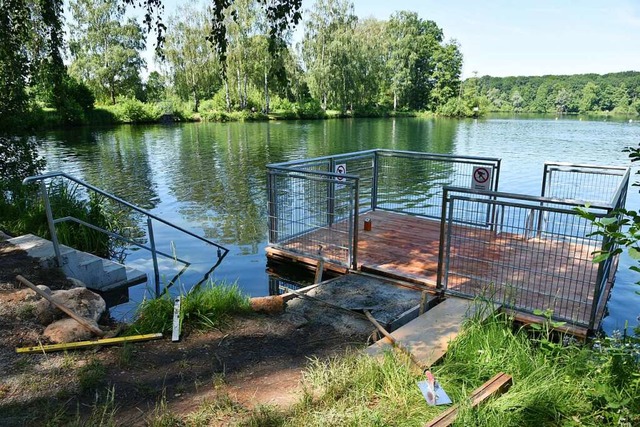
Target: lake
211, 178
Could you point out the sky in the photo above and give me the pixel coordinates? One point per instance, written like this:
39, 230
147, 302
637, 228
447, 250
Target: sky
522, 37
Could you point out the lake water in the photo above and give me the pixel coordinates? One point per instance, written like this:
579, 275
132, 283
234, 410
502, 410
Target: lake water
211, 177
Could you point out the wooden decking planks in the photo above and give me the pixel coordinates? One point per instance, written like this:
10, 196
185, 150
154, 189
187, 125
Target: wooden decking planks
400, 245
428, 336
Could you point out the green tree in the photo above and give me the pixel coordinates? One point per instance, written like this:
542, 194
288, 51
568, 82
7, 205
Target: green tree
14, 65
446, 75
105, 49
589, 99
193, 66
414, 43
154, 88
325, 49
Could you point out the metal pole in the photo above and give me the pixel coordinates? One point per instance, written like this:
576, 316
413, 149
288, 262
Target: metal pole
154, 257
374, 184
273, 208
331, 194
355, 225
443, 225
52, 226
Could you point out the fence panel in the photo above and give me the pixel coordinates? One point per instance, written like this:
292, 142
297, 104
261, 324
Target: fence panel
517, 266
412, 183
313, 213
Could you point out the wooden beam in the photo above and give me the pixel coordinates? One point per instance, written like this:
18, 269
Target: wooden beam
86, 344
496, 386
85, 324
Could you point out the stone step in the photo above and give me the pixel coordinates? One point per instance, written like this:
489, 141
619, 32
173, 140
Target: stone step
95, 272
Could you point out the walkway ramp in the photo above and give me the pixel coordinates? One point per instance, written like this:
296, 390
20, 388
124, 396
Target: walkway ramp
428, 336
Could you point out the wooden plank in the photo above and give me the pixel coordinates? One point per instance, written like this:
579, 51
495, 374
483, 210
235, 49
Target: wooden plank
319, 270
86, 344
427, 337
280, 254
496, 386
81, 320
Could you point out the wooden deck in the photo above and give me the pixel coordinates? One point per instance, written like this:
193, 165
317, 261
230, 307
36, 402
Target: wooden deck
535, 273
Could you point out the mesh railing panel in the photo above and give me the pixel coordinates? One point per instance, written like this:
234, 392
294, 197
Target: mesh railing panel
413, 184
518, 267
591, 184
312, 214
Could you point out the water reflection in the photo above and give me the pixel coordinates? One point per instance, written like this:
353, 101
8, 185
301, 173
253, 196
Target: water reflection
211, 178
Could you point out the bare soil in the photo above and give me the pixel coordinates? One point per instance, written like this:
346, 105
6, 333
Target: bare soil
253, 360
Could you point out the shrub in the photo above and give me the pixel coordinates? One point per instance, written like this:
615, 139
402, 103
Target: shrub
310, 110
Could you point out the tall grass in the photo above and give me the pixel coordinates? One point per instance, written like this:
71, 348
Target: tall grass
206, 307
553, 385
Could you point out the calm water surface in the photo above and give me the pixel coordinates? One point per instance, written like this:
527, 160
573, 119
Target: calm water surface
211, 178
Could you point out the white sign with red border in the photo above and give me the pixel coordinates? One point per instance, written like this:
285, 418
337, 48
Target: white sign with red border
481, 178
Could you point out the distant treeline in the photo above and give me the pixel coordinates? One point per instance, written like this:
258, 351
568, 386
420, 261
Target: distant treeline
617, 93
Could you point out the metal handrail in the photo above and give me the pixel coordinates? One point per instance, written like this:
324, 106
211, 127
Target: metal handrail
221, 250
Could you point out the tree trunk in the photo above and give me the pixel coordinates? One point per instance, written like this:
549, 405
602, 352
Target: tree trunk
246, 98
239, 88
113, 95
196, 102
266, 92
227, 97
395, 100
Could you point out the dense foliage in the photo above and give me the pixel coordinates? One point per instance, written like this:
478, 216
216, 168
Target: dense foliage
580, 93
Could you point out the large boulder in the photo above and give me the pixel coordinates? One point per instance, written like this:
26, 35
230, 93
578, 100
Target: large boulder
80, 300
67, 330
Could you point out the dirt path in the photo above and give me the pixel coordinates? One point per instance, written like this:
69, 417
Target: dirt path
254, 360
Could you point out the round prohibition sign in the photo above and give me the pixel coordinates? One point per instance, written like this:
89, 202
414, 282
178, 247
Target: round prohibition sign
341, 169
481, 175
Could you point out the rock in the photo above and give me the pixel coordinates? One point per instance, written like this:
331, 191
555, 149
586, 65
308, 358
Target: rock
81, 300
269, 305
67, 330
76, 282
28, 295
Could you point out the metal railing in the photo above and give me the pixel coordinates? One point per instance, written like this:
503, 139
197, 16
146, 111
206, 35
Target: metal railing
221, 251
535, 253
314, 204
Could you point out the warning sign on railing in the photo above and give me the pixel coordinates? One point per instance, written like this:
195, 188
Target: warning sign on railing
481, 178
341, 169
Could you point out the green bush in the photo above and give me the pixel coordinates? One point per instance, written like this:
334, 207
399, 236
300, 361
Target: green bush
130, 110
310, 110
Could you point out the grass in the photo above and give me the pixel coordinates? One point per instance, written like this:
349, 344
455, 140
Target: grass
206, 307
91, 375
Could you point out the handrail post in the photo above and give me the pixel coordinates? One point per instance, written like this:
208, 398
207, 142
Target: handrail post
331, 194
272, 208
355, 225
154, 256
441, 243
52, 226
374, 184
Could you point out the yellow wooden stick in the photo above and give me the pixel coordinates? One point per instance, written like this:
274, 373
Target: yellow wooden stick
85, 344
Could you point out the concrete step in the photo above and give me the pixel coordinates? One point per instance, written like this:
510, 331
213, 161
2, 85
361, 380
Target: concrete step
95, 272
42, 250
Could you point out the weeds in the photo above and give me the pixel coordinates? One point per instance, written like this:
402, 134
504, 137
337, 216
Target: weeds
204, 308
91, 375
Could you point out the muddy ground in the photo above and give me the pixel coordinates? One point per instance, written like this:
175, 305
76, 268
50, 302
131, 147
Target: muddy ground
253, 360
